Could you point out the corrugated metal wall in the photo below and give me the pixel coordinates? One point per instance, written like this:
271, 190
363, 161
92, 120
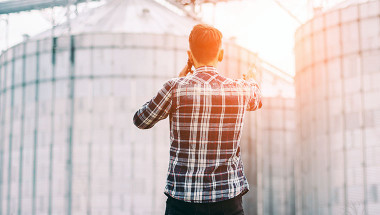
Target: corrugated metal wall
337, 88
268, 138
271, 133
68, 141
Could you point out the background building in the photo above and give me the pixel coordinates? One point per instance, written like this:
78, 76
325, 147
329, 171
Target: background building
268, 142
338, 110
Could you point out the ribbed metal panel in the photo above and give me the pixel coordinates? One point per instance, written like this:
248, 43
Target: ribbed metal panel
337, 63
272, 130
68, 143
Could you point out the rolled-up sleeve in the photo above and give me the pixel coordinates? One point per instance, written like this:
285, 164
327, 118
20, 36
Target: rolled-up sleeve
158, 108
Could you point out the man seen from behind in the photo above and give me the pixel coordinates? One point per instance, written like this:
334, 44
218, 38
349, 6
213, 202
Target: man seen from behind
206, 110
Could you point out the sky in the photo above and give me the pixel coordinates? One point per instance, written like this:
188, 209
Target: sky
261, 26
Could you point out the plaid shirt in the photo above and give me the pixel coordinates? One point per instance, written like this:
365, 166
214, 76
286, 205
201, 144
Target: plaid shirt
206, 113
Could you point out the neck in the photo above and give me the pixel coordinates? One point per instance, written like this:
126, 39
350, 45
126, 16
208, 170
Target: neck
213, 64
205, 68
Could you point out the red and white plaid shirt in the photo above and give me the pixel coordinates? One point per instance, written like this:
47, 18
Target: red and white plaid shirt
206, 113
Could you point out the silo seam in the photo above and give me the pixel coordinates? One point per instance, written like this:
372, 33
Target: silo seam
71, 98
10, 138
343, 113
362, 111
3, 97
155, 132
52, 117
36, 99
89, 168
314, 161
2, 133
270, 211
22, 132
328, 134
110, 171
285, 187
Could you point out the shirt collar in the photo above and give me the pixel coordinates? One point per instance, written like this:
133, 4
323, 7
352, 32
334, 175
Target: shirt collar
205, 69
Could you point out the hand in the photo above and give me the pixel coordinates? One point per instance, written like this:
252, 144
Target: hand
251, 73
184, 71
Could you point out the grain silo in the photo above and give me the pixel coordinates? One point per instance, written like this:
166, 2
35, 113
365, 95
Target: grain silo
68, 145
268, 138
337, 88
268, 142
268, 147
68, 142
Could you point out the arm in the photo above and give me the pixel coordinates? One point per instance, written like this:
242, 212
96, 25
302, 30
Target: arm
158, 108
254, 101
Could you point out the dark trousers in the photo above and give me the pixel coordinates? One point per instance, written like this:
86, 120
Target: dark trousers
232, 206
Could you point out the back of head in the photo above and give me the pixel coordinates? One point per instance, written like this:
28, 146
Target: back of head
205, 42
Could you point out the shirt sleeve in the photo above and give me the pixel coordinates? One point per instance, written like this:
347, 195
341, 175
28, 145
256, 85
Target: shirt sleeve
158, 108
255, 96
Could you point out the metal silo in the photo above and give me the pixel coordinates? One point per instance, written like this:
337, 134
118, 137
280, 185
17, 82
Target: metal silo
277, 156
68, 144
268, 142
337, 88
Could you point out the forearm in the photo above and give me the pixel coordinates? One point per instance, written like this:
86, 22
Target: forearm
256, 96
139, 119
156, 109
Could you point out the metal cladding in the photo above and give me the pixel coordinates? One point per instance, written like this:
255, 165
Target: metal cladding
68, 144
268, 137
127, 16
337, 87
268, 142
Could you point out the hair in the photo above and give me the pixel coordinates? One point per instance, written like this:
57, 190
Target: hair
205, 41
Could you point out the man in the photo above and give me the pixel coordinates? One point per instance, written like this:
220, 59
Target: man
206, 110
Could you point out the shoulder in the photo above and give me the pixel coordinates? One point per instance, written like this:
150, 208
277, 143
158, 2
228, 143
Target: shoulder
246, 83
240, 82
174, 82
226, 81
